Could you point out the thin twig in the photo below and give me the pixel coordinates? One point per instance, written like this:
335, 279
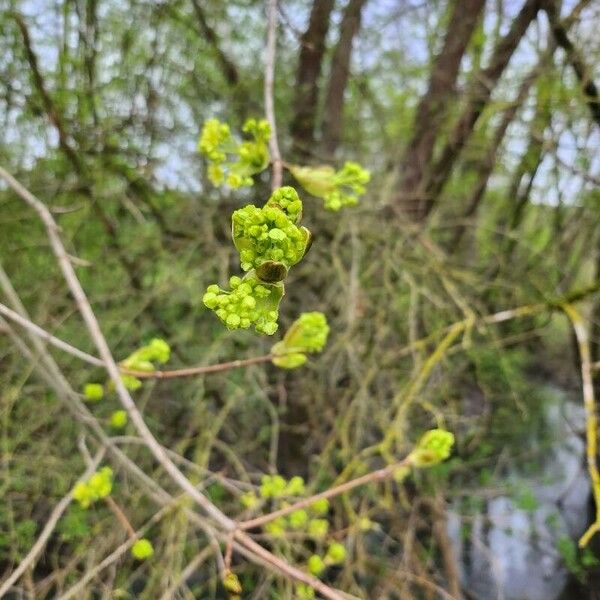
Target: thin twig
121, 516
48, 337
51, 523
373, 476
269, 98
92, 360
199, 370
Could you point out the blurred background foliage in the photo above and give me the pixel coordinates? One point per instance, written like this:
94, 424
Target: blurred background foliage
101, 104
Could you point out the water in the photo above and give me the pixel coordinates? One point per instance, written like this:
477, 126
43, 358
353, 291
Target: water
511, 551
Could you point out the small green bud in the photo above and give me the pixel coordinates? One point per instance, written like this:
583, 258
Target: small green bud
434, 447
295, 486
118, 419
142, 549
231, 582
276, 528
318, 528
320, 506
93, 392
248, 500
305, 592
336, 553
131, 383
316, 566
298, 519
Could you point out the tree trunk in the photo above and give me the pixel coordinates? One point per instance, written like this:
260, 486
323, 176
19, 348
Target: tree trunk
310, 64
478, 99
434, 104
338, 78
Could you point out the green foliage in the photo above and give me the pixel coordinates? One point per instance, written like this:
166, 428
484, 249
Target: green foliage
97, 486
267, 234
304, 592
118, 419
233, 162
316, 565
336, 553
249, 302
308, 334
74, 525
434, 447
336, 188
142, 549
287, 200
577, 561
93, 392
145, 357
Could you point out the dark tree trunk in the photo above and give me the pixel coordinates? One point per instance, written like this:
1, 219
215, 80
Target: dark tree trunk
434, 104
478, 98
583, 73
308, 73
338, 79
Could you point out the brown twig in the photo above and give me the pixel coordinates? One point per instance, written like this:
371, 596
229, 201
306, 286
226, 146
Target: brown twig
121, 516
373, 476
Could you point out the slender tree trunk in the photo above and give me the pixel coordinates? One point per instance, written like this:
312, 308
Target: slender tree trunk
310, 62
478, 99
434, 104
338, 78
574, 56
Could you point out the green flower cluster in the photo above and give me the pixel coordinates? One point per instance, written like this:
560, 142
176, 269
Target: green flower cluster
99, 485
307, 334
337, 188
275, 486
118, 419
234, 162
142, 549
93, 392
250, 302
144, 359
268, 234
336, 554
433, 448
269, 241
286, 199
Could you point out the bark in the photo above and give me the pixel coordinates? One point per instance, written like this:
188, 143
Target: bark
338, 78
434, 104
310, 62
478, 98
583, 73
486, 167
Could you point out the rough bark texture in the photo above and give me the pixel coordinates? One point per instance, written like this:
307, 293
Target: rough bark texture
478, 98
434, 103
338, 78
310, 63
